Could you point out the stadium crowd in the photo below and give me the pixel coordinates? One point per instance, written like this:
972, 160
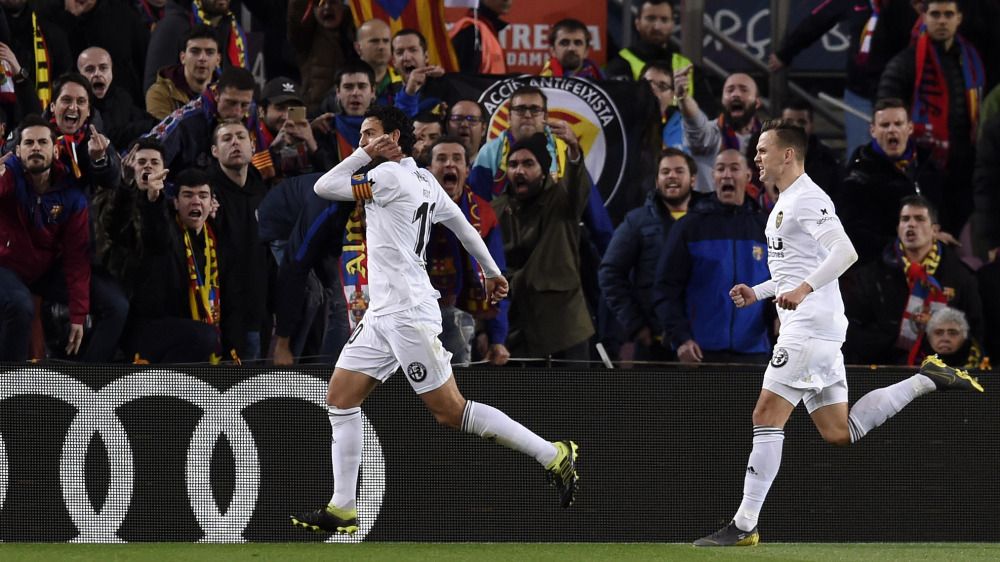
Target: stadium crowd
157, 204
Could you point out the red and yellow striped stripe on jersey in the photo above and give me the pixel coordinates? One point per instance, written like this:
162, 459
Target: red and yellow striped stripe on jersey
362, 187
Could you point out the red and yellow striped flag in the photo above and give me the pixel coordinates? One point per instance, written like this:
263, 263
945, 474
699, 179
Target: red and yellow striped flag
426, 16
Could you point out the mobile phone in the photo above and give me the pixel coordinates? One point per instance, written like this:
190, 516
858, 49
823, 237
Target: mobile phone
297, 113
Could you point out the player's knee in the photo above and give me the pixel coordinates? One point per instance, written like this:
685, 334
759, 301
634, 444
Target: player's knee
763, 415
449, 418
839, 438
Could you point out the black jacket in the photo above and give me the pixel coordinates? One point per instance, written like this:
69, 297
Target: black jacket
892, 34
869, 197
123, 120
628, 270
823, 167
469, 56
245, 283
876, 294
986, 184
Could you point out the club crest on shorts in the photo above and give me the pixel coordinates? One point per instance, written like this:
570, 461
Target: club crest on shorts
777, 219
416, 371
780, 357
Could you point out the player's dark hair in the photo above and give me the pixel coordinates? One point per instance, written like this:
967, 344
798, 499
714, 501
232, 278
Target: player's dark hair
408, 31
671, 151
891, 103
568, 25
238, 79
201, 31
789, 135
354, 67
922, 202
35, 120
528, 91
147, 143
75, 78
192, 177
448, 139
393, 119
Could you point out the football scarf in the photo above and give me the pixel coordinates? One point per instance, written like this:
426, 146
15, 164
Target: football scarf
926, 297
236, 48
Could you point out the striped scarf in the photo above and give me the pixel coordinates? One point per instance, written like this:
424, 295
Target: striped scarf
69, 144
43, 84
236, 47
867, 33
926, 298
930, 94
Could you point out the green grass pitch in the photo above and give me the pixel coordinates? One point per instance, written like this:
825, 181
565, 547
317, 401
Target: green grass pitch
472, 552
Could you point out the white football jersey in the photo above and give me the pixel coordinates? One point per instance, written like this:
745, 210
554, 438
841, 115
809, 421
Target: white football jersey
802, 214
404, 202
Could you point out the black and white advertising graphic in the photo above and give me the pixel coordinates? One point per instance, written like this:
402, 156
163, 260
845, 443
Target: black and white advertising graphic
124, 454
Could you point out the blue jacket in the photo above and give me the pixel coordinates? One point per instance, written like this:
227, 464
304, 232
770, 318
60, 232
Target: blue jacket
708, 251
629, 267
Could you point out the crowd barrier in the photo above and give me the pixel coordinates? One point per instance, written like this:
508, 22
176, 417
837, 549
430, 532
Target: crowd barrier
123, 453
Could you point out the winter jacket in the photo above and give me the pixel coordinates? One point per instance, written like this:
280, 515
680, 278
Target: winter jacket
37, 231
876, 294
541, 238
868, 204
986, 184
711, 249
319, 51
166, 94
123, 120
628, 270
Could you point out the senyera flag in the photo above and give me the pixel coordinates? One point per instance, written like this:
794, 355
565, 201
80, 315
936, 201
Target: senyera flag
426, 16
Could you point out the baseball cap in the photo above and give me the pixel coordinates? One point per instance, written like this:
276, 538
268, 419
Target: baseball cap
280, 90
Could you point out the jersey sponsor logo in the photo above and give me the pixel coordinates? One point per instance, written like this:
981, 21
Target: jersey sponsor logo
416, 371
775, 247
778, 219
780, 357
588, 109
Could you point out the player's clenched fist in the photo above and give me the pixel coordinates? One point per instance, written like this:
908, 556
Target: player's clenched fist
742, 295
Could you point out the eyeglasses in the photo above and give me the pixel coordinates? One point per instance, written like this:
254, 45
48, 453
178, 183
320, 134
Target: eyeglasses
523, 110
470, 119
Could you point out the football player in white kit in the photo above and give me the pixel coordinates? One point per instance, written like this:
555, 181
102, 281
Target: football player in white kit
807, 252
403, 320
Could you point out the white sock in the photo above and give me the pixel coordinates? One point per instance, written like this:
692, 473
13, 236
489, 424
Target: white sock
345, 448
492, 424
765, 459
881, 404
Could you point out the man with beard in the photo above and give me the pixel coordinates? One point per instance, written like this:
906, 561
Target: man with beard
170, 35
178, 84
720, 239
467, 122
454, 272
354, 87
540, 221
733, 129
427, 128
629, 267
941, 76
569, 45
123, 120
890, 299
44, 221
421, 90
240, 190
881, 173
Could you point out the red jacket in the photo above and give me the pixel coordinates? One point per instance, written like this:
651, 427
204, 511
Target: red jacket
37, 230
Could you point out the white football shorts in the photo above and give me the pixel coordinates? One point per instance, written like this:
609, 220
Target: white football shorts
809, 370
408, 339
